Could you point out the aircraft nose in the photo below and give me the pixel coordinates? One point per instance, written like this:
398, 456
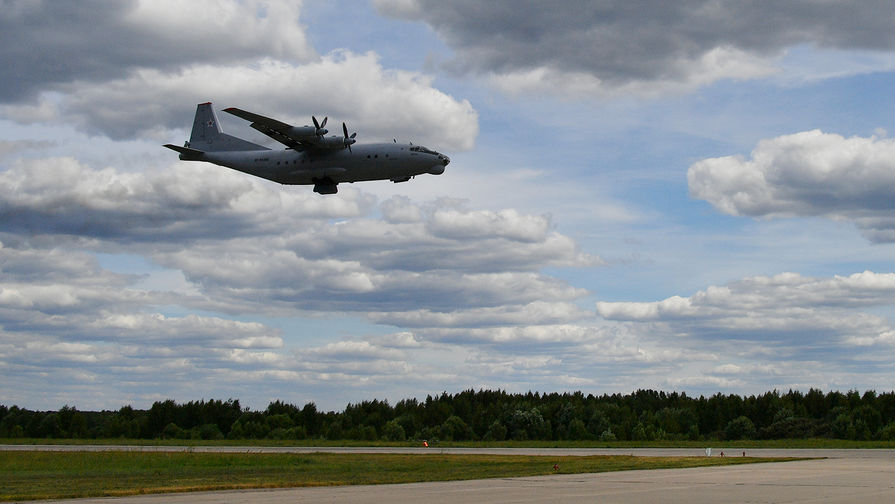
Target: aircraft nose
438, 169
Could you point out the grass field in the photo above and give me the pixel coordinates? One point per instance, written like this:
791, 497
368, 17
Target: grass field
26, 475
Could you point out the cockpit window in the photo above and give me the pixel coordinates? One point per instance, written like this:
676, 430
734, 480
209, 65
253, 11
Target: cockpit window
420, 148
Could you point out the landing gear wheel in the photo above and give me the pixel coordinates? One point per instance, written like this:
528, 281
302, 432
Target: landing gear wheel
325, 185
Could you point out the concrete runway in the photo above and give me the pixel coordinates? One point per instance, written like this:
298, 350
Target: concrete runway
846, 476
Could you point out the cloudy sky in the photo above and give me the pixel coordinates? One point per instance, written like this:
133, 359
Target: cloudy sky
693, 196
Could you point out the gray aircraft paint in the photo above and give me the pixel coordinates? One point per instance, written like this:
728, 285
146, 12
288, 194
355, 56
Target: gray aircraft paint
310, 158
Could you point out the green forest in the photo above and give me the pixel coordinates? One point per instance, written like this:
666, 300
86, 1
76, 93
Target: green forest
487, 415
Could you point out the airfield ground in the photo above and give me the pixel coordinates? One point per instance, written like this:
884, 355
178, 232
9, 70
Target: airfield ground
865, 476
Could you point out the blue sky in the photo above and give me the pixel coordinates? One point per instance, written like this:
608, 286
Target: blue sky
690, 196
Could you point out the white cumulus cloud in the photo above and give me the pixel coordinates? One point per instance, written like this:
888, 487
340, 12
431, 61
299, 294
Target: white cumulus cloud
806, 174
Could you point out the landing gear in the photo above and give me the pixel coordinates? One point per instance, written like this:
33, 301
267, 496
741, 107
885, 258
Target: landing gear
325, 185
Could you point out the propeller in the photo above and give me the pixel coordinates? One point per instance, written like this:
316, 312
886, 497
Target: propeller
319, 126
348, 139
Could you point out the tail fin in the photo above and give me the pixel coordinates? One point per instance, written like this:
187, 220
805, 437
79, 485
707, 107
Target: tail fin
207, 134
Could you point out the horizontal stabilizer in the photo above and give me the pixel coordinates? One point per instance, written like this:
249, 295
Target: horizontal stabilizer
186, 152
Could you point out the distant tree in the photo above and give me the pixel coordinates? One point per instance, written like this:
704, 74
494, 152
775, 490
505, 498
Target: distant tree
161, 414
833, 400
334, 429
791, 428
173, 431
885, 404
783, 414
364, 433
393, 431
125, 423
279, 421
597, 424
867, 420
208, 431
642, 432
280, 408
563, 419
455, 429
77, 427
490, 415
251, 425
311, 419
71, 422
50, 427
842, 427
408, 423
740, 427
496, 432
677, 422
888, 432
528, 424
297, 432
577, 430
14, 423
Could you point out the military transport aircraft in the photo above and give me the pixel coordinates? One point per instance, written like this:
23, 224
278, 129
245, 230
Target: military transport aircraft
309, 157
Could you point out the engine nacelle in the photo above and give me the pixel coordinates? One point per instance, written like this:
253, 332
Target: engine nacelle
305, 132
334, 142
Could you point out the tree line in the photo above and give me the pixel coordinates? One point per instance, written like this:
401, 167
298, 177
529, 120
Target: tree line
487, 415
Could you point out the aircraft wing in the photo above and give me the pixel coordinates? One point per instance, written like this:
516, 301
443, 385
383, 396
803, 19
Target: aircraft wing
278, 130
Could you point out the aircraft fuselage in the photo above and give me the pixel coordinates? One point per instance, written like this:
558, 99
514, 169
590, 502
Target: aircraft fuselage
384, 161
